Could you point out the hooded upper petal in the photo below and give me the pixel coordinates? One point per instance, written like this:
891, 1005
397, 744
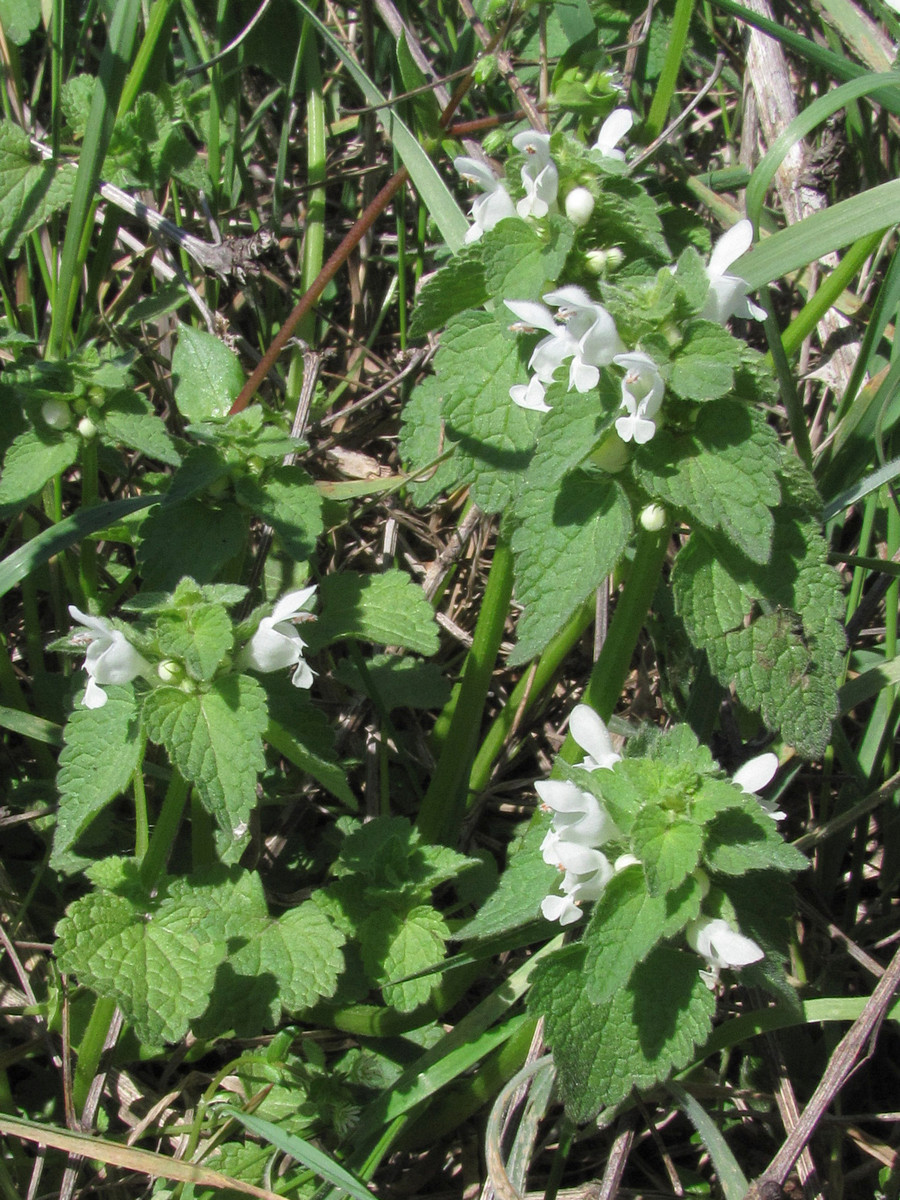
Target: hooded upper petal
591, 734
722, 946
613, 129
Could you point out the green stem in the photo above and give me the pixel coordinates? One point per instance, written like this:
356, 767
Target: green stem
611, 668
91, 1049
163, 837
828, 293
524, 695
141, 819
668, 77
444, 802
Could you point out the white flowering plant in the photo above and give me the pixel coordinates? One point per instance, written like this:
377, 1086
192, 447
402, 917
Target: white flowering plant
672, 875
589, 370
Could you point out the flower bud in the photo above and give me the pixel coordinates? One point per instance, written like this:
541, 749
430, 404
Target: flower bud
579, 206
170, 670
87, 428
56, 414
485, 69
653, 518
598, 262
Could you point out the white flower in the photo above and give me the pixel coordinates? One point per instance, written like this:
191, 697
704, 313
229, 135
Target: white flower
642, 394
577, 817
540, 178
590, 732
277, 642
720, 945
493, 206
728, 293
592, 330
612, 131
109, 658
550, 352
579, 206
753, 776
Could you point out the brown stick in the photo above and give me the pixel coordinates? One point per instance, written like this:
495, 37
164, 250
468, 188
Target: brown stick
376, 205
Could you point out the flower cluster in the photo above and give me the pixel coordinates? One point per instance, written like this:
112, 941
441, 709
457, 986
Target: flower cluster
111, 658
581, 332
583, 833
580, 825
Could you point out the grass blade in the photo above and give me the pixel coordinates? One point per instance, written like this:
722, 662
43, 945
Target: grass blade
434, 192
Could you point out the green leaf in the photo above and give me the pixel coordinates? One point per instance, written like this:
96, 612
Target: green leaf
704, 368
203, 467
568, 539
200, 636
743, 838
306, 739
520, 263
101, 753
773, 631
627, 923
152, 956
668, 847
396, 682
206, 375
569, 432
290, 503
33, 458
193, 538
19, 19
477, 364
725, 476
129, 420
455, 287
214, 739
417, 943
272, 964
633, 1040
31, 190
520, 890
422, 441
388, 608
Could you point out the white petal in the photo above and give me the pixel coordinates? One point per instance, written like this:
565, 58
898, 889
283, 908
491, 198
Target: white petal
292, 603
721, 946
591, 734
569, 296
561, 908
534, 315
476, 172
730, 246
753, 776
94, 695
562, 796
613, 129
582, 376
303, 676
99, 624
530, 395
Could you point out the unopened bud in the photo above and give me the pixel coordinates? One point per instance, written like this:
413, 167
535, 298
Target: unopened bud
485, 69
57, 414
600, 261
87, 428
579, 206
170, 670
653, 518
